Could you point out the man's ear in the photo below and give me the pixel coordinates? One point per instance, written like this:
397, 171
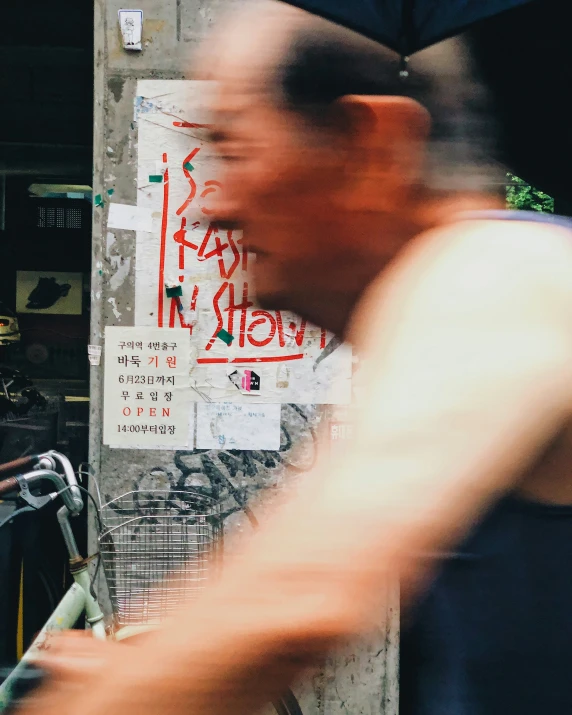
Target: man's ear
385, 149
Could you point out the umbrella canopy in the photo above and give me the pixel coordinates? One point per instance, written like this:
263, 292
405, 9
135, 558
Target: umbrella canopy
407, 26
523, 52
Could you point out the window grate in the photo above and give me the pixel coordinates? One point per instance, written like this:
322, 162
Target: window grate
59, 217
73, 218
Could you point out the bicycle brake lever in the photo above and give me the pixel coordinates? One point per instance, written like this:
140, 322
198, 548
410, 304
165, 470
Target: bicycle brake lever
29, 498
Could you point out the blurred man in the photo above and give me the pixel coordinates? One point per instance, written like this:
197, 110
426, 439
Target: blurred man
353, 183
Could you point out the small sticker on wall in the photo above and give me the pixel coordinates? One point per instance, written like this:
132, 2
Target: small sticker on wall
131, 26
94, 354
245, 380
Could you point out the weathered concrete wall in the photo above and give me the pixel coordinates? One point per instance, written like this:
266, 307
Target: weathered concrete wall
363, 679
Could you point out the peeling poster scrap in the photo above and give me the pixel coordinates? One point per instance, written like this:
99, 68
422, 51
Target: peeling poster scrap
147, 388
224, 425
130, 218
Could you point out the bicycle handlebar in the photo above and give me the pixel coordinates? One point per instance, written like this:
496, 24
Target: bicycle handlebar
8, 485
48, 462
70, 477
17, 466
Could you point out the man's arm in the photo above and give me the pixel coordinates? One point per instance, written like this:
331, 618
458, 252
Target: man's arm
468, 375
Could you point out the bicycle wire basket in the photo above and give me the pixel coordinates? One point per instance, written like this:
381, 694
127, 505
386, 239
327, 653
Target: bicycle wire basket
158, 549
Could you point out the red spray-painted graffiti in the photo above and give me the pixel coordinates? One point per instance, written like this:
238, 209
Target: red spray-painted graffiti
251, 329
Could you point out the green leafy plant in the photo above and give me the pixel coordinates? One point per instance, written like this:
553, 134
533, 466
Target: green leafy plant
520, 196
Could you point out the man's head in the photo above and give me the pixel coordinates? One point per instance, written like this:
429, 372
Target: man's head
329, 154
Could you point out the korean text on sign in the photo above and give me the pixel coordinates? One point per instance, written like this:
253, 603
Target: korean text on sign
146, 388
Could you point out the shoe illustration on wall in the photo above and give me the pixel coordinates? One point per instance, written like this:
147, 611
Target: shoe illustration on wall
46, 293
49, 292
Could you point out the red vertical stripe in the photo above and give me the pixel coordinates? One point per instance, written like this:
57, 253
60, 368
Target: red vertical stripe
164, 224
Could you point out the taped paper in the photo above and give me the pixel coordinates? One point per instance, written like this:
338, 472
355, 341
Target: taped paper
226, 425
130, 218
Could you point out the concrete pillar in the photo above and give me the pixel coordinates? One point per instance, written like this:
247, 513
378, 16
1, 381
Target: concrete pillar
362, 679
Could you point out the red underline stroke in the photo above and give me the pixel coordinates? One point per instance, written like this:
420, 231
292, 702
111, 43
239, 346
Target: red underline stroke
276, 358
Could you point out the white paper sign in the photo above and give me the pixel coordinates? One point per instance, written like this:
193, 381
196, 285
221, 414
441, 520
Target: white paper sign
240, 353
146, 390
130, 218
236, 426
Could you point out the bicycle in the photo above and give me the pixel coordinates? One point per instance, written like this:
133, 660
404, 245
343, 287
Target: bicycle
157, 547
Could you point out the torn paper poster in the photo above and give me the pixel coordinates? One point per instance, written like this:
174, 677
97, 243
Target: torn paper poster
130, 218
146, 389
234, 426
289, 360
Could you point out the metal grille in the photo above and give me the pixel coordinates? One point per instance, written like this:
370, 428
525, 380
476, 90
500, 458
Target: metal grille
58, 217
158, 549
73, 218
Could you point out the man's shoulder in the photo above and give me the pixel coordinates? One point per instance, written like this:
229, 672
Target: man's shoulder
509, 257
476, 255
515, 240
488, 269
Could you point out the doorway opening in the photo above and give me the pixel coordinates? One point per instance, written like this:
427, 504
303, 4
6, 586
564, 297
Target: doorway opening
46, 126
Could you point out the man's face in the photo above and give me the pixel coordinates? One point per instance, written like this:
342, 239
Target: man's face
280, 178
307, 198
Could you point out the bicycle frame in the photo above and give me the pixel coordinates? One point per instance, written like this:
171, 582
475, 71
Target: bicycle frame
76, 601
78, 598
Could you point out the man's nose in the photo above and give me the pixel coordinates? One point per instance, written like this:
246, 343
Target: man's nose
226, 212
227, 225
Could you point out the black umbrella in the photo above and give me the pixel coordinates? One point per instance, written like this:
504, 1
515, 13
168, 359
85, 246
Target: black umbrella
407, 25
523, 50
